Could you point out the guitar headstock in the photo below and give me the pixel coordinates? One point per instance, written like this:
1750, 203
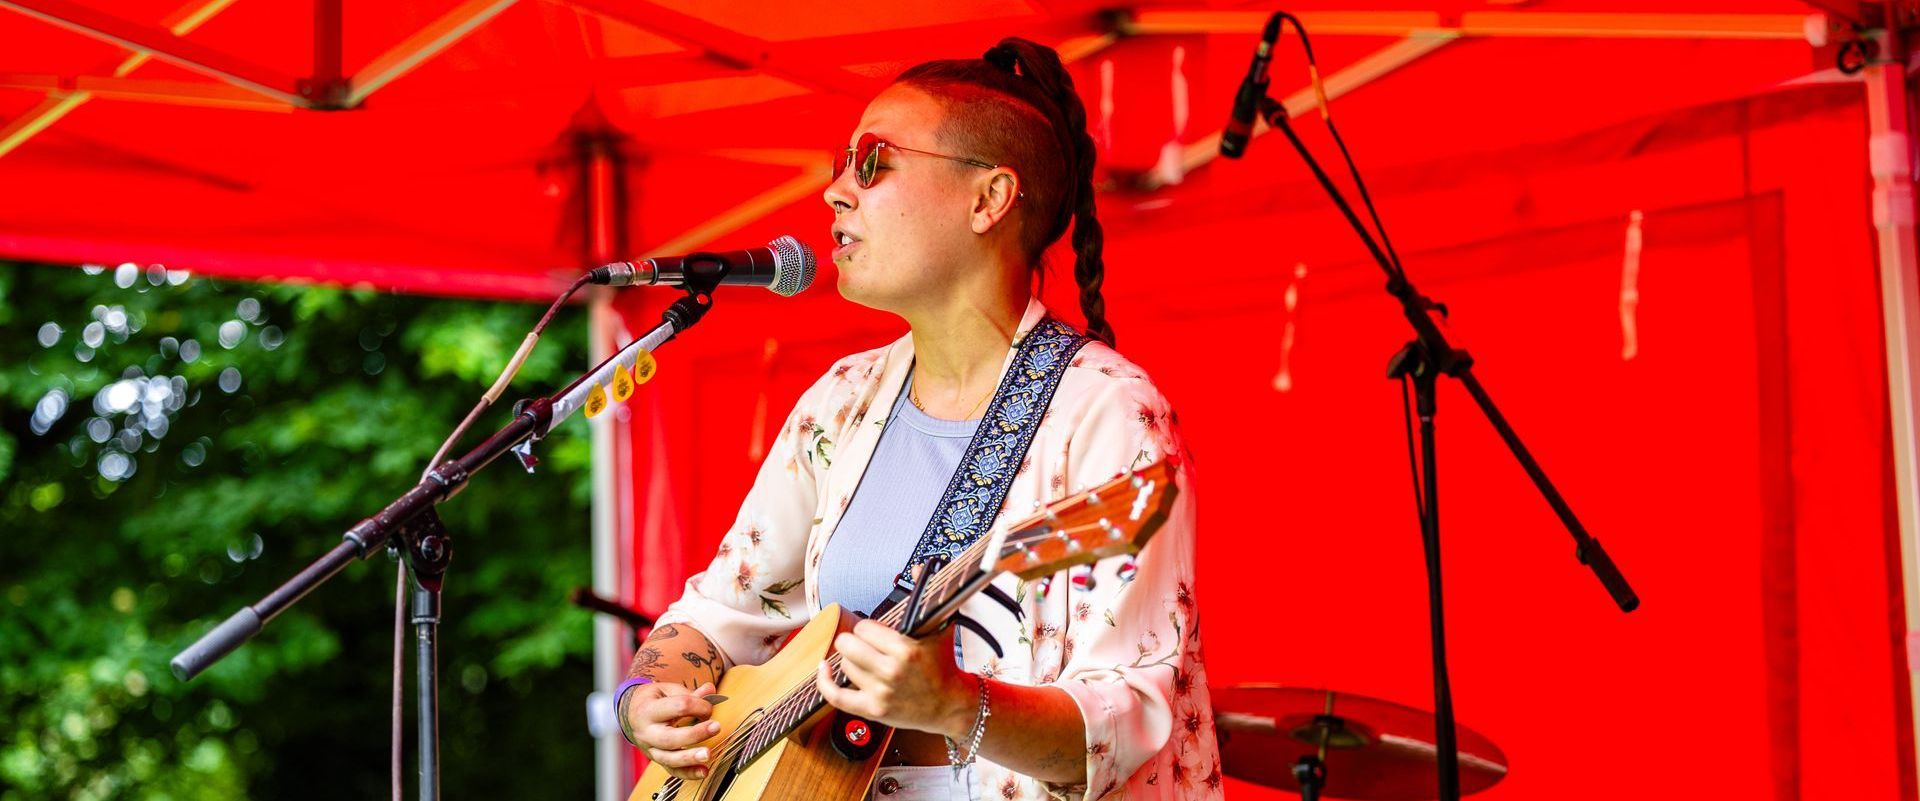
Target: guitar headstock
1112, 519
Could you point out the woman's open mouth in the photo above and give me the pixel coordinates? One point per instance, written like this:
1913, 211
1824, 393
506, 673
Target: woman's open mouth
844, 243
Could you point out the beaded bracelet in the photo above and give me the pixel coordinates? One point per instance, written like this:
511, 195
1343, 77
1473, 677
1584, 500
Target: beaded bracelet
979, 731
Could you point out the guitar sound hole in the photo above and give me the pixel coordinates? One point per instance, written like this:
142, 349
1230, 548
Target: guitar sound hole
720, 784
714, 788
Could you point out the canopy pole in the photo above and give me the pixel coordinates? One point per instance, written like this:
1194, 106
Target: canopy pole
327, 87
161, 44
1890, 156
58, 104
139, 90
424, 44
733, 47
604, 211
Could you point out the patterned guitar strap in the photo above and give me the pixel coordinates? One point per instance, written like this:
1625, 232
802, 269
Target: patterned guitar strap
980, 484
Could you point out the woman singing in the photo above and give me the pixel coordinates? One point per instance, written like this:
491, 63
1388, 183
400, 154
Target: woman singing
959, 176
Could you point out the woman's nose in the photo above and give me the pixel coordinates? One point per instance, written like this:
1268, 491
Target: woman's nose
840, 193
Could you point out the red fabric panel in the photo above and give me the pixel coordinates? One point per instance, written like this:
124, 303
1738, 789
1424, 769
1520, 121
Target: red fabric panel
1839, 469
1735, 467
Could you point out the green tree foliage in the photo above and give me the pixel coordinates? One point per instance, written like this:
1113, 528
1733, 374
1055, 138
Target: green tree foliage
172, 448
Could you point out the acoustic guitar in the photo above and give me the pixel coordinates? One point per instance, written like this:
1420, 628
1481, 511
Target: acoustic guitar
779, 740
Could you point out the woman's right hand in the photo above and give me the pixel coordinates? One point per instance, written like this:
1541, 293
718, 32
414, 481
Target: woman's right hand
668, 721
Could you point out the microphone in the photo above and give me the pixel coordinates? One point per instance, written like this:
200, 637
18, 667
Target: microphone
1246, 103
785, 266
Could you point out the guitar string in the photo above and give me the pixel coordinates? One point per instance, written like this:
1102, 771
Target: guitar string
802, 696
796, 697
807, 698
739, 741
806, 694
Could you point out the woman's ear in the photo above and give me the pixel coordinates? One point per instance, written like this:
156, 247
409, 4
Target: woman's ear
995, 199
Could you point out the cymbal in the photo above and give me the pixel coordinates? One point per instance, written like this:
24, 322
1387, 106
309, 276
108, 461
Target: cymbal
1375, 750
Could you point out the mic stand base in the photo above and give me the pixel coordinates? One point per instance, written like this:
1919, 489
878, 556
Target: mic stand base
426, 623
1311, 774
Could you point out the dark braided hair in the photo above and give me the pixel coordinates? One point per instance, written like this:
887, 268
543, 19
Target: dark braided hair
1017, 106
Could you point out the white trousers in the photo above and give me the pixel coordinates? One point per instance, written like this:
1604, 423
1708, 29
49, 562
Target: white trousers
912, 783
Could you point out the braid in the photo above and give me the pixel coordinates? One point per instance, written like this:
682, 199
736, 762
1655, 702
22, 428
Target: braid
1090, 270
1041, 65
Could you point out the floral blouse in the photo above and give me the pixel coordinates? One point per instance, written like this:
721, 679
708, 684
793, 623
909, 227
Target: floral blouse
1121, 636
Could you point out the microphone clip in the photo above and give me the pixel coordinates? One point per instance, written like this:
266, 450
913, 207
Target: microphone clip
692, 305
1273, 112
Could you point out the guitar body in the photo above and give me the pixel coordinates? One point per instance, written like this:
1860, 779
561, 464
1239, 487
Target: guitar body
820, 754
804, 766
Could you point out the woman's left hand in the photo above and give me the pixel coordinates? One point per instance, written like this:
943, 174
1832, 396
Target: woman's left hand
902, 682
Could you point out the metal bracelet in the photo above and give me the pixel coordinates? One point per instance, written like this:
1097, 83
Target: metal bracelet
979, 732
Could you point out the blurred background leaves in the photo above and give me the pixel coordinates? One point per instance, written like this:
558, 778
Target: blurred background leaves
173, 447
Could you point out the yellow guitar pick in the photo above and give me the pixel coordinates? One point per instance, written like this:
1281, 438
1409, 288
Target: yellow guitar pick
596, 401
622, 386
644, 367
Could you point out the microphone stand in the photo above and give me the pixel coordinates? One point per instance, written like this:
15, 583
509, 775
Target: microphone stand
1423, 360
424, 541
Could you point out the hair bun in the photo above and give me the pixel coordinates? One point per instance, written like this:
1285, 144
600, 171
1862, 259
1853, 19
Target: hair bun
1003, 56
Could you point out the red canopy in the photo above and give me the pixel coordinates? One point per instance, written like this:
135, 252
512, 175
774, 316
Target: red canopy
458, 166
1654, 227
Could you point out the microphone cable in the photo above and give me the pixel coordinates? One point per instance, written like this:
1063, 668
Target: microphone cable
1366, 199
1326, 115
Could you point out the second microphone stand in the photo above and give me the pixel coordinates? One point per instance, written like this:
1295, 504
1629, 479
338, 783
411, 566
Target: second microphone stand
1423, 361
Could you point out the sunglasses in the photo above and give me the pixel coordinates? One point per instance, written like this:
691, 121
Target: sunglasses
864, 158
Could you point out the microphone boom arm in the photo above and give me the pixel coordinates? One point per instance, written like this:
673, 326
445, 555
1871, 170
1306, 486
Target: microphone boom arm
411, 516
1456, 363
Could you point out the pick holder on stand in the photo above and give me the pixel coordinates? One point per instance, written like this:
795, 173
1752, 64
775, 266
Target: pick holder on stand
410, 525
1423, 361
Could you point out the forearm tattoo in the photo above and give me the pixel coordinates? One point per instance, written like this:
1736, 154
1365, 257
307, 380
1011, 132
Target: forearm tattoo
1057, 759
652, 659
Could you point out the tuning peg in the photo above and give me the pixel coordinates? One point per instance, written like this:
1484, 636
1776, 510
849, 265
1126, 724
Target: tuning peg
1140, 501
